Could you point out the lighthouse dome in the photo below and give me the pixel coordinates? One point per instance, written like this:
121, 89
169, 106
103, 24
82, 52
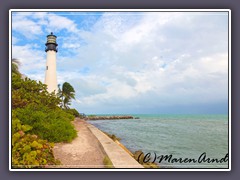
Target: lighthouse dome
51, 43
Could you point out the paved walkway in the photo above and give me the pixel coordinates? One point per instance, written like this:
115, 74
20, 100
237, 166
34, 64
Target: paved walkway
85, 151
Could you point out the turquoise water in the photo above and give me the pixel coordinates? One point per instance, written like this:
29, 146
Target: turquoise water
182, 136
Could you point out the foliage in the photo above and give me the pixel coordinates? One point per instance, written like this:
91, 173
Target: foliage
53, 126
66, 94
27, 91
112, 136
29, 151
74, 112
37, 120
15, 64
107, 162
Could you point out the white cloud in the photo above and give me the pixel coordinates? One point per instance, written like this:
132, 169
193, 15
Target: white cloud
187, 78
31, 24
57, 23
70, 46
32, 61
26, 26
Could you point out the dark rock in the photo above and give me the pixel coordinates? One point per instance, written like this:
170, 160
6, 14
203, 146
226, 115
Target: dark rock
108, 117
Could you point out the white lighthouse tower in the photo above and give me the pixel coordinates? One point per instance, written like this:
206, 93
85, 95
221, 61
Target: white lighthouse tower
51, 73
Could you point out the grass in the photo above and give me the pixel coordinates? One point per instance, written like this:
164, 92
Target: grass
112, 136
107, 162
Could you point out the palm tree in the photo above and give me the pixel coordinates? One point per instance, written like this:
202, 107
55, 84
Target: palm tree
15, 64
66, 94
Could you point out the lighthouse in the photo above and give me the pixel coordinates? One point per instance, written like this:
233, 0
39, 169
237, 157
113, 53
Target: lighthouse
51, 69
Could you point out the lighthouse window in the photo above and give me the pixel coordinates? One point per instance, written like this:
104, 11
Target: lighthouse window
47, 68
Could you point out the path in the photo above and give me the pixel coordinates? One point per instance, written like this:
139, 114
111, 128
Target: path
84, 151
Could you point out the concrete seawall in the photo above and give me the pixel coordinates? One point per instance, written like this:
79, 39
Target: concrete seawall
119, 157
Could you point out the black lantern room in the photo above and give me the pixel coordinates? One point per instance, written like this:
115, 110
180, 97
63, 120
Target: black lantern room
51, 43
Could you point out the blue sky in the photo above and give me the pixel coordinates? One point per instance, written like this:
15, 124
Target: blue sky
131, 62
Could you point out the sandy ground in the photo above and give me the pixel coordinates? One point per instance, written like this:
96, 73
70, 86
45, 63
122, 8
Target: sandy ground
83, 152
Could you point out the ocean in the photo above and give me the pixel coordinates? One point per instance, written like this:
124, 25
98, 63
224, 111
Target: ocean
181, 136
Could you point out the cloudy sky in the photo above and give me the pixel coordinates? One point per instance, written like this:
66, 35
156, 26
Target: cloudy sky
131, 62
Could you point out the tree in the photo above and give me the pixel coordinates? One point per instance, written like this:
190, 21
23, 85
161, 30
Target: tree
27, 91
66, 94
15, 64
37, 120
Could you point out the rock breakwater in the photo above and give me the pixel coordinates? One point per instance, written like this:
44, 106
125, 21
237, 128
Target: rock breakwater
107, 117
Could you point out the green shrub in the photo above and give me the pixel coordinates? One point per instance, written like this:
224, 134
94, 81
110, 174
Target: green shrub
74, 112
37, 120
25, 92
54, 126
29, 151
